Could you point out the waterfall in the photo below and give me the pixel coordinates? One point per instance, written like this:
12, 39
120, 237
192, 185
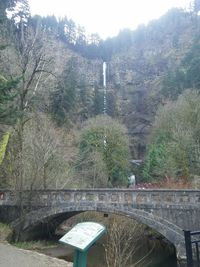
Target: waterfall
104, 90
104, 97
104, 74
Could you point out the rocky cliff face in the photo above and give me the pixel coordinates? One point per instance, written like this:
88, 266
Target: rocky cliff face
136, 75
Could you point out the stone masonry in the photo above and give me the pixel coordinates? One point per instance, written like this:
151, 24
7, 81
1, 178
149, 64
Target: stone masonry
167, 211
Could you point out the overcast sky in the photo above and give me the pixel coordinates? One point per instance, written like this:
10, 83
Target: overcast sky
106, 17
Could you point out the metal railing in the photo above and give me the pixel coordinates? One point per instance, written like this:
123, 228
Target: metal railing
192, 242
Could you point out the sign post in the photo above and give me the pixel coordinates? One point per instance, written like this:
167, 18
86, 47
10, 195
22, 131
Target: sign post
81, 237
80, 258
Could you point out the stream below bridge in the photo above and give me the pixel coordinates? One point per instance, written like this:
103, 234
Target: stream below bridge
96, 258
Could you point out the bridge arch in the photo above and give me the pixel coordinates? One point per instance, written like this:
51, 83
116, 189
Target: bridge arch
51, 217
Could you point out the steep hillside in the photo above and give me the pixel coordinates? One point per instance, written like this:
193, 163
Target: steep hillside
62, 71
136, 73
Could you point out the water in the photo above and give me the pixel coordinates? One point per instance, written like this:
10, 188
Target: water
104, 91
162, 251
96, 256
104, 97
104, 74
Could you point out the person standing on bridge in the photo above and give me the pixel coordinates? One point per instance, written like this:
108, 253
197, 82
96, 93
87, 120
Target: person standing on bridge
131, 181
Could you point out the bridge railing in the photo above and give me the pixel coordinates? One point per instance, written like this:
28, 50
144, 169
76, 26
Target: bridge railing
192, 242
104, 195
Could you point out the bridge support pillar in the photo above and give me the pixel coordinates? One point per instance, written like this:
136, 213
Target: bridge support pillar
181, 255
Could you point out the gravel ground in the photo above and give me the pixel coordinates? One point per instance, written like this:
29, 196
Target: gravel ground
14, 257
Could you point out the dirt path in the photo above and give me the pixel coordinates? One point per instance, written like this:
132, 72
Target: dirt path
14, 257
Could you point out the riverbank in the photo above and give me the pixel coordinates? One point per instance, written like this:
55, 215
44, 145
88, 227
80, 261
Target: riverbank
12, 256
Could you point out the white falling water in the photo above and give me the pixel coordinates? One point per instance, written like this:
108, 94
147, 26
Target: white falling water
104, 74
104, 86
104, 96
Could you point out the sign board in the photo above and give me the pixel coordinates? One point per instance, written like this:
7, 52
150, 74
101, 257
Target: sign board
83, 235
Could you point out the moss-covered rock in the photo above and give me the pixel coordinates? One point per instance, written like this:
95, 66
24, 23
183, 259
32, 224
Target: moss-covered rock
3, 146
5, 232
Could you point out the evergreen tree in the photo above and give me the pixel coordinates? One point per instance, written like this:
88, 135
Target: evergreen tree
20, 10
63, 99
186, 76
6, 5
175, 139
7, 94
98, 101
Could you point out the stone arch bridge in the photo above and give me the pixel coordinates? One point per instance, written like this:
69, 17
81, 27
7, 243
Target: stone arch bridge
166, 211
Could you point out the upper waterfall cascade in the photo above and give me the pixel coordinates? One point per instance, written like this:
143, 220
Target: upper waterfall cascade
104, 85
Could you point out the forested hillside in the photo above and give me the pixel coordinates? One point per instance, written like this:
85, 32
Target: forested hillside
53, 133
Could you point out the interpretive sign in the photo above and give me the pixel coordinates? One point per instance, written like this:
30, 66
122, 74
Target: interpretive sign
83, 235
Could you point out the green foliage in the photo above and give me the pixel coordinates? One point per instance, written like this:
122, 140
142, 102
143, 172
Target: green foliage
63, 99
20, 10
98, 102
175, 143
93, 47
5, 4
191, 63
72, 98
174, 83
107, 138
7, 95
155, 157
5, 232
90, 46
186, 76
3, 146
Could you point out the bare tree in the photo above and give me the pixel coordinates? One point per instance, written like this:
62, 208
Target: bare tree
124, 241
29, 61
43, 155
32, 64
